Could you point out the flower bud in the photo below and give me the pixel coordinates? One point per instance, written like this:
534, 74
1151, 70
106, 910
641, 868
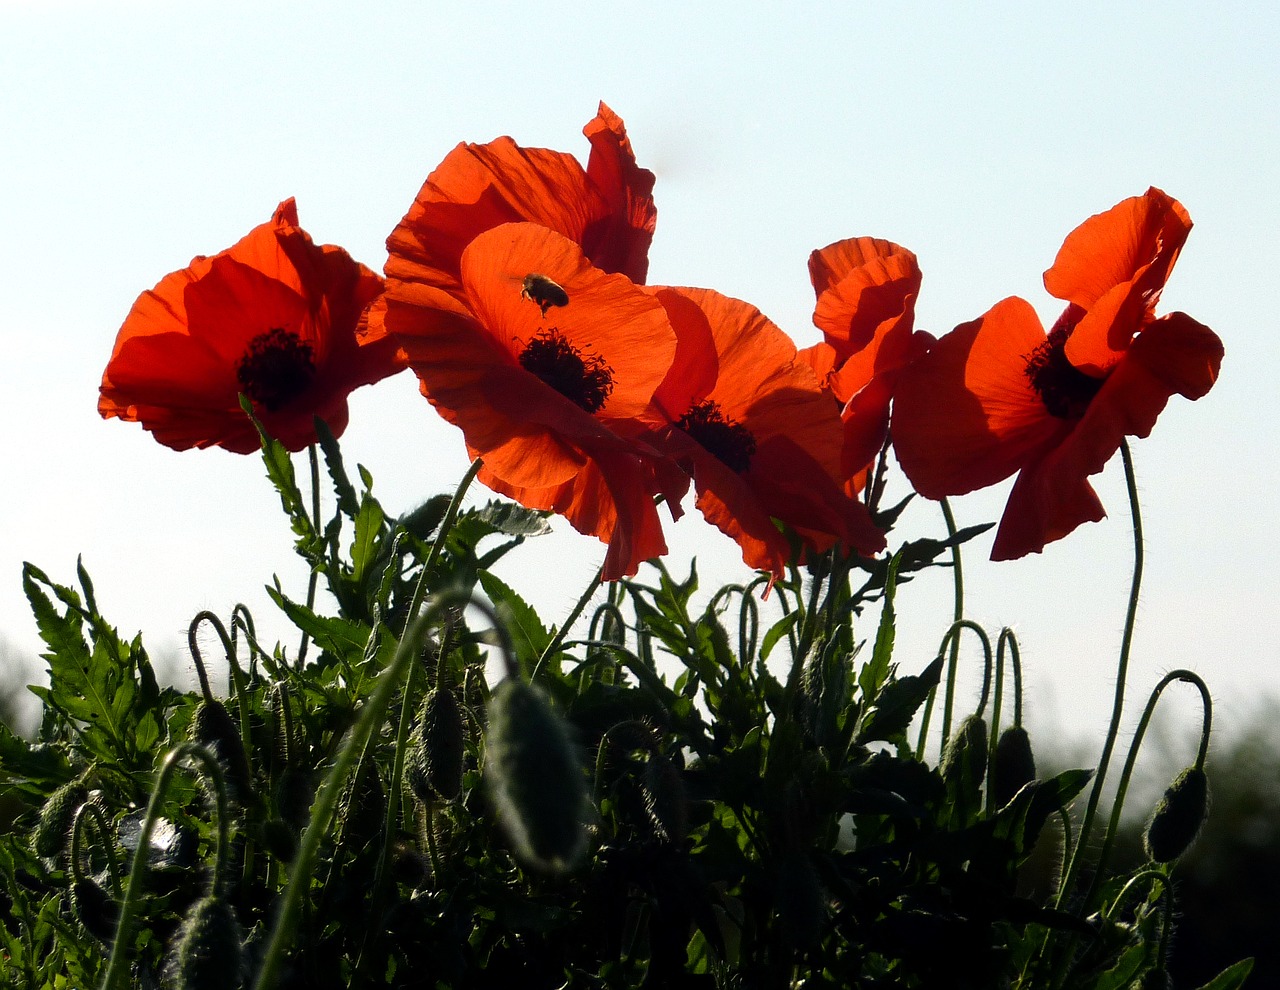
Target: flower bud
665, 800
53, 830
95, 909
208, 953
1178, 817
535, 777
1014, 766
437, 748
213, 726
965, 756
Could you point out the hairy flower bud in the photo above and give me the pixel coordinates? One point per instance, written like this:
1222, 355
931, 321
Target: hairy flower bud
95, 909
208, 953
213, 726
965, 757
665, 800
1178, 817
437, 748
535, 777
1014, 766
54, 827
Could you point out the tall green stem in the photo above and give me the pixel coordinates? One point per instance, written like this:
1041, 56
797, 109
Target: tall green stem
314, 460
1122, 672
953, 660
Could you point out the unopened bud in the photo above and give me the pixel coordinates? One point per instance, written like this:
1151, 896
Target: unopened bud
1014, 765
1178, 817
536, 779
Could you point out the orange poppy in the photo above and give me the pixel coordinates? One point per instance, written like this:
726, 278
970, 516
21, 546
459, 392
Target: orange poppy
273, 317
756, 430
999, 396
538, 355
866, 289
607, 208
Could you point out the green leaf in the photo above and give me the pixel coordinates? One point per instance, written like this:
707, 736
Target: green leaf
344, 638
369, 530
281, 475
1231, 978
1127, 969
528, 635
876, 669
342, 487
776, 632
897, 704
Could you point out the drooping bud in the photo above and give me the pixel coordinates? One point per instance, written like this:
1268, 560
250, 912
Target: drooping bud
1178, 817
665, 800
965, 756
213, 726
1014, 766
208, 953
53, 830
535, 777
95, 909
437, 747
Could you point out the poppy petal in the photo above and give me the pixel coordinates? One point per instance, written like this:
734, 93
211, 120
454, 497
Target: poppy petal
965, 415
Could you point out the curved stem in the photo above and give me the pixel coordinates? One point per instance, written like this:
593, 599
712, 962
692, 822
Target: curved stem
326, 800
89, 811
1122, 672
116, 969
1113, 826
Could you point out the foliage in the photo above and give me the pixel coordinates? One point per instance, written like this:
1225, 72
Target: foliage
756, 813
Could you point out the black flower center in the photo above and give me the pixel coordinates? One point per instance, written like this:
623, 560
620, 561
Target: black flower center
731, 443
276, 368
1065, 390
584, 379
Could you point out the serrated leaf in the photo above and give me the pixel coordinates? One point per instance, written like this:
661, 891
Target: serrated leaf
368, 531
1127, 969
897, 704
529, 636
513, 520
874, 672
280, 473
344, 638
343, 490
1231, 978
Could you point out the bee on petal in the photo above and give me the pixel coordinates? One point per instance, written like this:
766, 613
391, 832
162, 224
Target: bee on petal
543, 291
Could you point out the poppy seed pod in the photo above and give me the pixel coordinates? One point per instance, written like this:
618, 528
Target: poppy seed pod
208, 953
535, 777
1014, 766
1178, 817
54, 827
437, 748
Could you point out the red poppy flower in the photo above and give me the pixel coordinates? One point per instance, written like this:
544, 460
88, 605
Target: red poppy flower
998, 395
754, 427
273, 317
607, 208
867, 291
537, 356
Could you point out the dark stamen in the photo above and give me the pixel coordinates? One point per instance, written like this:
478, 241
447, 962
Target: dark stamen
585, 380
731, 442
276, 368
1065, 390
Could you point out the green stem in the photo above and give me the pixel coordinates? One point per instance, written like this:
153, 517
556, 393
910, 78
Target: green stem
1122, 672
558, 639
326, 800
116, 969
953, 661
1113, 826
314, 461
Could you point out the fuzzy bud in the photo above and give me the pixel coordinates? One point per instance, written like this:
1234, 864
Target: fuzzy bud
437, 748
53, 830
1014, 765
95, 909
965, 757
208, 953
535, 777
665, 800
1178, 817
213, 726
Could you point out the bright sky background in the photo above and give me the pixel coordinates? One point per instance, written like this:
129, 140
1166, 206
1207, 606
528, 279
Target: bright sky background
138, 134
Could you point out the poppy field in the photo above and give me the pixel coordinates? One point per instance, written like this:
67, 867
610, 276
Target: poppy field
674, 786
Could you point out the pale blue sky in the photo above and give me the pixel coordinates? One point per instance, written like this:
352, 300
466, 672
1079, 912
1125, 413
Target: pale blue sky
137, 134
